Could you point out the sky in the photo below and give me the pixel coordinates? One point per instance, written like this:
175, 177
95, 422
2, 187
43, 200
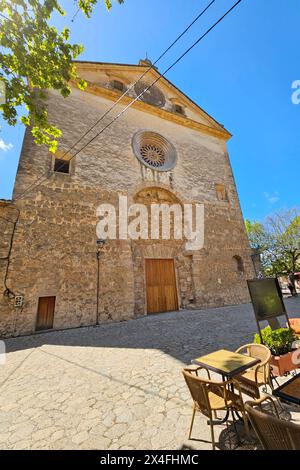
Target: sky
241, 73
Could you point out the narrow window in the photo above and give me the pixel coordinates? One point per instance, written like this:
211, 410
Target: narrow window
61, 166
221, 192
238, 264
178, 109
117, 85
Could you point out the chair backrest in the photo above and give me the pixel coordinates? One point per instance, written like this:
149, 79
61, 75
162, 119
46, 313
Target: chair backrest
274, 433
258, 351
199, 389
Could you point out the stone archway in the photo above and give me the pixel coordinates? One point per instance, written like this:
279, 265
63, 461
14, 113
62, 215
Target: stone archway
156, 194
169, 251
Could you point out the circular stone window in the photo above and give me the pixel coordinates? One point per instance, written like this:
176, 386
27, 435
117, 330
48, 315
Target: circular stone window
154, 151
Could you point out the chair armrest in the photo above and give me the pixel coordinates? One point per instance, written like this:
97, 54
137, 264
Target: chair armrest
261, 365
241, 348
224, 389
261, 400
264, 362
197, 368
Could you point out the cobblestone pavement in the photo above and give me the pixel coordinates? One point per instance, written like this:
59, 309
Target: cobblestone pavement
115, 386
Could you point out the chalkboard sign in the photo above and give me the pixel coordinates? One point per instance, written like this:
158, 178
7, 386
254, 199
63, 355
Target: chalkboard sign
266, 298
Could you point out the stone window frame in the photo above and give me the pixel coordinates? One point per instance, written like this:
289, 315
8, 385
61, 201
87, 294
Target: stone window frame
115, 85
146, 137
178, 109
61, 166
59, 155
221, 192
151, 95
239, 264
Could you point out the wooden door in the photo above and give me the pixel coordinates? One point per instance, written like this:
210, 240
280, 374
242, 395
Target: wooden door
45, 314
161, 285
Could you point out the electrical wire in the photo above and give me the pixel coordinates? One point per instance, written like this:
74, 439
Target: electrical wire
8, 292
131, 87
142, 76
41, 179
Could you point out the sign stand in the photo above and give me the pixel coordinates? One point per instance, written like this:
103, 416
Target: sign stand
267, 301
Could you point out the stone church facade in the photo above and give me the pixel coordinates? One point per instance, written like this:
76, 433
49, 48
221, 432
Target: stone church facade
164, 149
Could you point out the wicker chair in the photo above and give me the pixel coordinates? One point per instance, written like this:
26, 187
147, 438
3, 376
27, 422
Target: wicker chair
210, 396
257, 376
272, 432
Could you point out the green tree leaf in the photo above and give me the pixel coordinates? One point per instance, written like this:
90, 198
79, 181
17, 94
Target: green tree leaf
34, 58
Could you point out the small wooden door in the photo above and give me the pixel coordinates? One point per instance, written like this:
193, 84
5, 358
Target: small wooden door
45, 314
161, 285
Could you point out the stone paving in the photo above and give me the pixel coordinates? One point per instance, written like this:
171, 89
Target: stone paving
115, 386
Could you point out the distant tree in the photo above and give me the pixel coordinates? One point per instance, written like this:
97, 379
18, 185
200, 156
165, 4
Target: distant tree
278, 240
256, 235
284, 247
35, 57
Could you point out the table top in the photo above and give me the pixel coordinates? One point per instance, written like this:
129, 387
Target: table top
290, 390
225, 362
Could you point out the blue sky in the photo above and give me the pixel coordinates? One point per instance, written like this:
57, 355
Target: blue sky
241, 74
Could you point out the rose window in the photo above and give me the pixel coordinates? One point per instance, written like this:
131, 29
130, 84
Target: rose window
154, 151
153, 155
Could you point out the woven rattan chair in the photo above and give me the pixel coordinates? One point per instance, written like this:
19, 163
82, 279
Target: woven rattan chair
273, 433
210, 396
259, 375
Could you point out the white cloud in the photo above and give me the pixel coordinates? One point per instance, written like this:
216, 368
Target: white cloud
272, 198
5, 147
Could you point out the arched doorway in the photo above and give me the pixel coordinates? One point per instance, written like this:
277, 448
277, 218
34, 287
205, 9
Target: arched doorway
155, 260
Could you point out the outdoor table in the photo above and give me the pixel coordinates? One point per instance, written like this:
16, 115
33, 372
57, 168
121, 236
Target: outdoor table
226, 363
289, 391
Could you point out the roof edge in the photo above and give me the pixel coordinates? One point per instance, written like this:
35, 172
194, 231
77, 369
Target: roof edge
155, 70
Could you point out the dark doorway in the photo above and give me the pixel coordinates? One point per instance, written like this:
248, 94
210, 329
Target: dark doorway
45, 314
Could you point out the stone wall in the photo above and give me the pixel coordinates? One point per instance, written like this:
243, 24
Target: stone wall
8, 218
54, 249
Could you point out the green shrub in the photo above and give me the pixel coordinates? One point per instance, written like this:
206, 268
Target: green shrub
278, 341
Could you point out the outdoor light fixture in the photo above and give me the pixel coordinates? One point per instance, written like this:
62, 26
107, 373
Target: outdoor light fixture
100, 243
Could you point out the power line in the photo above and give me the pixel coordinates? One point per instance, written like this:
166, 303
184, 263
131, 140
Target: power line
123, 95
145, 73
158, 78
8, 292
7, 19
75, 14
145, 90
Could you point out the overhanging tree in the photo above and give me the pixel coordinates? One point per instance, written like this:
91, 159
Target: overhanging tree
35, 57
